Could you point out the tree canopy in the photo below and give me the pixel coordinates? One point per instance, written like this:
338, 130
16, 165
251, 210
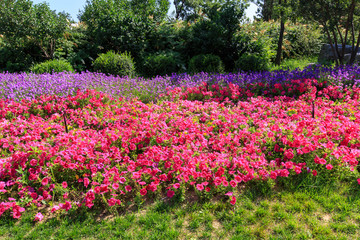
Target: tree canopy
21, 23
340, 21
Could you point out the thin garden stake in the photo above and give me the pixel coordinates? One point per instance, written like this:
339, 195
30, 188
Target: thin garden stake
66, 128
313, 110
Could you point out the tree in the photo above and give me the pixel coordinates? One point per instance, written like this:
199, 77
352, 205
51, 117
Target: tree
157, 9
265, 9
340, 21
215, 32
21, 23
281, 35
282, 10
122, 25
186, 9
189, 10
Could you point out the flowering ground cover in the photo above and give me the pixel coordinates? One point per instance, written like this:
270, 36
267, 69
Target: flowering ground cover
90, 150
28, 86
80, 143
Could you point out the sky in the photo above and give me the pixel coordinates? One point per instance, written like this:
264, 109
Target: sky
74, 6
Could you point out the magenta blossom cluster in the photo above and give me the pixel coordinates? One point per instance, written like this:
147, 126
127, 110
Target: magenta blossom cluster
90, 149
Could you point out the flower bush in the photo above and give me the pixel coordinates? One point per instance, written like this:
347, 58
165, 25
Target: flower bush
91, 149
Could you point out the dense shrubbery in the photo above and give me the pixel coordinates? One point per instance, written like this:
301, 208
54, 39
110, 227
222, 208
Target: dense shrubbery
158, 46
114, 151
115, 64
299, 39
251, 62
206, 63
162, 63
52, 66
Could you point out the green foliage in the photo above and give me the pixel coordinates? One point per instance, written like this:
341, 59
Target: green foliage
16, 59
292, 64
115, 64
206, 63
76, 48
22, 23
156, 9
215, 34
340, 20
162, 63
51, 66
168, 36
114, 25
252, 62
300, 40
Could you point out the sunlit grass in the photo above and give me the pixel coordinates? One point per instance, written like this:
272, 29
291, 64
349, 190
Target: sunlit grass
292, 64
316, 210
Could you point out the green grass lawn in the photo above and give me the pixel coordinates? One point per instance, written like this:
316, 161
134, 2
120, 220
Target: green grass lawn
306, 208
292, 64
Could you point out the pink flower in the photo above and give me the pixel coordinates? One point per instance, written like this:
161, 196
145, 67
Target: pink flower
115, 186
322, 161
297, 169
97, 189
218, 181
170, 193
55, 208
233, 200
111, 201
65, 195
233, 183
66, 206
136, 175
314, 172
128, 188
329, 167
143, 191
288, 165
33, 162
86, 182
45, 181
358, 180
39, 217
199, 187
132, 147
176, 185
2, 185
64, 184
289, 154
122, 180
238, 179
273, 175
229, 193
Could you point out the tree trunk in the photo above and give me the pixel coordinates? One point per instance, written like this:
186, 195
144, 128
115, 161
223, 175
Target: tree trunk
331, 43
178, 9
281, 36
353, 54
347, 26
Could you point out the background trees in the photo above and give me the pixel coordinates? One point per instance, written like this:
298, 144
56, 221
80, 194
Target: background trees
340, 21
159, 44
30, 31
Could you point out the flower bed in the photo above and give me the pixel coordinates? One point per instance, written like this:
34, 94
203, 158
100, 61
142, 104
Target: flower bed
29, 86
90, 149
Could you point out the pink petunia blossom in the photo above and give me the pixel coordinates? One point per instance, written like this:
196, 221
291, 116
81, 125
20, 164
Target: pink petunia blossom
170, 193
39, 217
329, 166
233, 200
143, 191
45, 181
